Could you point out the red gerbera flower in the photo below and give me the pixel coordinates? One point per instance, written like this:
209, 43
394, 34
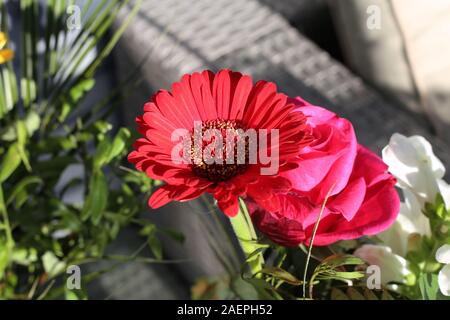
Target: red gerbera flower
230, 103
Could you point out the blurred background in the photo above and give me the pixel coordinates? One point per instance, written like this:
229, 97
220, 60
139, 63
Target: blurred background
383, 64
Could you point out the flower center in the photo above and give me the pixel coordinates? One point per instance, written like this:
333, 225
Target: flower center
218, 157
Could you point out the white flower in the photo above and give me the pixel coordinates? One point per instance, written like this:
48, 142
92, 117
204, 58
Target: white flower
394, 268
412, 161
410, 221
444, 188
443, 256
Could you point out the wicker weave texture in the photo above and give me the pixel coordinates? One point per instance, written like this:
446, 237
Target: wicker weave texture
185, 36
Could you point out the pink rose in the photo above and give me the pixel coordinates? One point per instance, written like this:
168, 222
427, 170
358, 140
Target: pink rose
362, 198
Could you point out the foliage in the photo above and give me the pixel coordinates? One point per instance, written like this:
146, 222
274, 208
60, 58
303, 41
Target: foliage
422, 252
44, 132
274, 272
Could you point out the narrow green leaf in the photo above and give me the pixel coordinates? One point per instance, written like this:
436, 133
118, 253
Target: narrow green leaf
80, 89
97, 198
52, 265
339, 260
102, 153
21, 143
429, 286
32, 122
119, 143
244, 289
348, 275
3, 109
10, 162
281, 274
22, 186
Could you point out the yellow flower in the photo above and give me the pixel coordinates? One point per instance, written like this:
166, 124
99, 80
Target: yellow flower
5, 54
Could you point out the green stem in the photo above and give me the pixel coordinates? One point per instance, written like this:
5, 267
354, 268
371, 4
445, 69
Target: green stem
316, 226
243, 228
9, 237
9, 246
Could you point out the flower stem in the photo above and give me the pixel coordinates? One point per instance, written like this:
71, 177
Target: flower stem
316, 226
243, 228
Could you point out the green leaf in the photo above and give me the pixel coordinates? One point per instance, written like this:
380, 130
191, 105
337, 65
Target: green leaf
21, 187
9, 88
10, 162
21, 133
102, 126
347, 275
52, 265
79, 90
244, 289
150, 231
97, 198
102, 153
8, 133
28, 54
21, 143
155, 246
75, 295
32, 122
24, 256
107, 150
65, 110
5, 254
119, 143
332, 267
429, 286
281, 274
339, 260
252, 288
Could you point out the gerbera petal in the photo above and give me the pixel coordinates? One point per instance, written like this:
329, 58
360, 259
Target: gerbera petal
160, 197
170, 108
221, 93
167, 193
240, 98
